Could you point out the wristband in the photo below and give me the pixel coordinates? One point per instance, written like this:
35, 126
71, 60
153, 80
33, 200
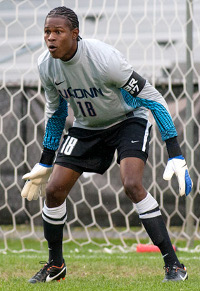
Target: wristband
47, 157
173, 147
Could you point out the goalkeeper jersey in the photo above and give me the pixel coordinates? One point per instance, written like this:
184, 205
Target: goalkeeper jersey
102, 89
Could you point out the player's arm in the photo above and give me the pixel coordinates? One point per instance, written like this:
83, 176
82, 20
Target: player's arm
138, 92
55, 117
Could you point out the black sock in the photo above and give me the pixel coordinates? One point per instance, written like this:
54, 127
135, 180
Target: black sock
157, 231
54, 235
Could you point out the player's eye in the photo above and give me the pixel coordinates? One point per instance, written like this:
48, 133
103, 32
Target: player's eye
47, 32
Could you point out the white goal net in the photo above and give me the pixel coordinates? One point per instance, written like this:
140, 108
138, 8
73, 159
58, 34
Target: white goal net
161, 38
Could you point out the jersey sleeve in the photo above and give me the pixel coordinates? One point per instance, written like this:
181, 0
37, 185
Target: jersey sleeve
118, 70
55, 126
150, 98
56, 111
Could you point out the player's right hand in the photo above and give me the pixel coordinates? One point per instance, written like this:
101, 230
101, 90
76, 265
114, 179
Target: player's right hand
36, 182
178, 166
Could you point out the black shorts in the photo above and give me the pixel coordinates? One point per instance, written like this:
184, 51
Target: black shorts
86, 150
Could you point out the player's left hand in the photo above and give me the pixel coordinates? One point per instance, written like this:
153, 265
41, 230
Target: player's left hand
178, 166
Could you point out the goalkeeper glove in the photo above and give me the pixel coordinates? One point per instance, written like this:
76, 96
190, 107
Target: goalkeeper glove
178, 166
36, 181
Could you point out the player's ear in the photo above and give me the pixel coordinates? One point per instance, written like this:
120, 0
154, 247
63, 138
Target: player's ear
75, 33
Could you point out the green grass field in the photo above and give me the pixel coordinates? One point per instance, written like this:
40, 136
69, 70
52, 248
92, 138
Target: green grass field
91, 268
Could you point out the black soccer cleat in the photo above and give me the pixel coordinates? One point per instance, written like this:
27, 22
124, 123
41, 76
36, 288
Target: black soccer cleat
49, 273
175, 273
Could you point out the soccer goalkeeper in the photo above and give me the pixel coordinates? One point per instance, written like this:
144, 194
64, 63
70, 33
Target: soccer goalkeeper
110, 102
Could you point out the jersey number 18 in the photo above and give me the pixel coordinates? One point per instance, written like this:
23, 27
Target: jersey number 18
87, 108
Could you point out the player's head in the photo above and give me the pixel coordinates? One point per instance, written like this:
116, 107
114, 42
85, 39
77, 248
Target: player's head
61, 33
68, 14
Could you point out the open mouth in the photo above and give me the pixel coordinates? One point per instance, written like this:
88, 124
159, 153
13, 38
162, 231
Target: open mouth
52, 48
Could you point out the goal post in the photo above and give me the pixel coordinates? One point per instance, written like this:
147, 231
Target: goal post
155, 36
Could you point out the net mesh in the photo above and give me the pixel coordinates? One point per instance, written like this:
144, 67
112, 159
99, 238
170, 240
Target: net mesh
162, 41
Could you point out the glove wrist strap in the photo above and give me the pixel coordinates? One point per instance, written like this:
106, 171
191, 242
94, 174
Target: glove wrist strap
47, 157
173, 147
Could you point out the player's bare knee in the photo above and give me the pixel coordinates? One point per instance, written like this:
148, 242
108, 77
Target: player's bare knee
54, 197
134, 190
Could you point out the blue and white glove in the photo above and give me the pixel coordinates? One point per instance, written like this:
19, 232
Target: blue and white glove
178, 166
36, 181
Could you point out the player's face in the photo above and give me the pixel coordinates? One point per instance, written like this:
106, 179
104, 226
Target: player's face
60, 40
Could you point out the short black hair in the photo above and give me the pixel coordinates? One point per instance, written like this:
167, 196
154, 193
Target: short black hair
68, 14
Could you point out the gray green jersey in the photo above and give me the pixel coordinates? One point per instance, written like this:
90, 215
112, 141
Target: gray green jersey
102, 89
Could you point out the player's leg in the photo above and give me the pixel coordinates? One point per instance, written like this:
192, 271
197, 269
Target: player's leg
54, 216
131, 170
133, 148
73, 158
54, 211
61, 182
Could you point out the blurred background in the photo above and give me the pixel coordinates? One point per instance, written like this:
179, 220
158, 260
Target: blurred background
161, 39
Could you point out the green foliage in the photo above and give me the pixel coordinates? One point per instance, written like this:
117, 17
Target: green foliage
91, 268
